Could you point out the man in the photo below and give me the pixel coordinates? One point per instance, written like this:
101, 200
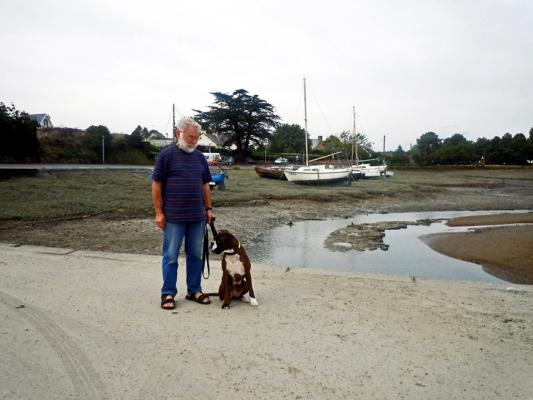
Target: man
182, 203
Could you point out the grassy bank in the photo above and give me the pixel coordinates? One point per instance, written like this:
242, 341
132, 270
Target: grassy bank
119, 194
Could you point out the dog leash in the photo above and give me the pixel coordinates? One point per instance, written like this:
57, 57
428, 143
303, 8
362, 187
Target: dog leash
205, 254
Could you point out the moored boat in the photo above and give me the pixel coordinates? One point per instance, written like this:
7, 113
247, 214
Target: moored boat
271, 172
369, 171
318, 174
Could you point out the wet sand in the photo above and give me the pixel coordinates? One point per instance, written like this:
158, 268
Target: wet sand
494, 219
503, 251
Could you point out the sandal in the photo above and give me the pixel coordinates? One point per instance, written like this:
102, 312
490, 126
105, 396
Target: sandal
166, 300
200, 299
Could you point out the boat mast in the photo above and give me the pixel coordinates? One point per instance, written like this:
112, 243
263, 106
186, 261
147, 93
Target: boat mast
354, 139
305, 125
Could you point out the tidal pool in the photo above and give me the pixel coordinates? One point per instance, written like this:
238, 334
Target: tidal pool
302, 246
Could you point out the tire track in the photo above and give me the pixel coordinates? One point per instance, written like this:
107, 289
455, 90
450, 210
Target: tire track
84, 378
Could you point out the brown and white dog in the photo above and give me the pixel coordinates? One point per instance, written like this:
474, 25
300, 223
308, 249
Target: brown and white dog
236, 276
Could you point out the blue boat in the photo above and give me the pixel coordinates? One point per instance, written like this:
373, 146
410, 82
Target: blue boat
218, 179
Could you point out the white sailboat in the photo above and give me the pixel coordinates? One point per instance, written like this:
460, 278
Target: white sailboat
364, 169
315, 173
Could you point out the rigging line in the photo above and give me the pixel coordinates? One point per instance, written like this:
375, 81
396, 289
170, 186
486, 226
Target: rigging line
179, 112
168, 122
332, 132
299, 109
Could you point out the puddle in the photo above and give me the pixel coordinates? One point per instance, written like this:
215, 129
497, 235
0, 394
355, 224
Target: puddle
302, 246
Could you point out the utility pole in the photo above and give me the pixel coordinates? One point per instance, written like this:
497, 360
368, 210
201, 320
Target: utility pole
306, 134
103, 149
383, 145
355, 138
173, 122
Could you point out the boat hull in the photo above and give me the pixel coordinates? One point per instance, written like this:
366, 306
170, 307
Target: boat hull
317, 175
273, 173
369, 171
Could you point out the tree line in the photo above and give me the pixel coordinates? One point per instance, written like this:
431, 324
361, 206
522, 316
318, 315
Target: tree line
430, 150
250, 125
21, 143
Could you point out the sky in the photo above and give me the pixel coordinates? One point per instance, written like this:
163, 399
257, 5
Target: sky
408, 67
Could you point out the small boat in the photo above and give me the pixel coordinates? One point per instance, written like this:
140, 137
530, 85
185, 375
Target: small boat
318, 174
271, 172
218, 179
366, 170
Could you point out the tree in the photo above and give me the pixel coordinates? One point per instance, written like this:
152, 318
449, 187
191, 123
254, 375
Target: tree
349, 141
95, 133
426, 144
399, 157
455, 150
239, 119
332, 144
18, 135
288, 139
530, 146
519, 149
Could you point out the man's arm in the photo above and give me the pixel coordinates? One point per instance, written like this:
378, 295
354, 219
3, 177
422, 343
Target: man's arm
157, 199
207, 202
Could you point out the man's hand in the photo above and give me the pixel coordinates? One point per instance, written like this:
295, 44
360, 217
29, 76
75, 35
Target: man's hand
210, 216
157, 198
160, 220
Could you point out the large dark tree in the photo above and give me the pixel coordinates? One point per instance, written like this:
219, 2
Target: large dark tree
18, 135
239, 119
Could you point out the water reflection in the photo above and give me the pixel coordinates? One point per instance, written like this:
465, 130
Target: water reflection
302, 245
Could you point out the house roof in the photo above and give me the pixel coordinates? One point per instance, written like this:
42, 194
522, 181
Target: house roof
207, 139
38, 117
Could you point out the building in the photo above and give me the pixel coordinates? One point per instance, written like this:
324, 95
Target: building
209, 141
317, 144
43, 120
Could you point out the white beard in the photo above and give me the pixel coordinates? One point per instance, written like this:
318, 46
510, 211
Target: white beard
183, 145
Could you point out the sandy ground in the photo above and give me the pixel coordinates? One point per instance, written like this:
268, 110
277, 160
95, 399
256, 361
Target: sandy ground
503, 251
87, 325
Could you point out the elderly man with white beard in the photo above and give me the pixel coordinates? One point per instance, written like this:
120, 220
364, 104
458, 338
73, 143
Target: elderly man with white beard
182, 203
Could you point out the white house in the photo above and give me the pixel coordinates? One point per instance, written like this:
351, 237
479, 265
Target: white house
208, 140
43, 120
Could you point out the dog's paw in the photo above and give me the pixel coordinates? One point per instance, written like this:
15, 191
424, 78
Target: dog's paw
253, 302
225, 306
245, 299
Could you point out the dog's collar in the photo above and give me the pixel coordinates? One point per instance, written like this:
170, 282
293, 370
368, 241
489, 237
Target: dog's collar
234, 251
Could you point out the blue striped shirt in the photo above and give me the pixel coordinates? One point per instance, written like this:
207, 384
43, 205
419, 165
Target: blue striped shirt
182, 175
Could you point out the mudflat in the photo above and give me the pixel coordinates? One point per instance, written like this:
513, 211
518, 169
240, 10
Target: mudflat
111, 211
503, 251
492, 219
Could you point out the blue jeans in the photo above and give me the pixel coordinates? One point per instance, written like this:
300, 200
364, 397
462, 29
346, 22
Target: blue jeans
173, 235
